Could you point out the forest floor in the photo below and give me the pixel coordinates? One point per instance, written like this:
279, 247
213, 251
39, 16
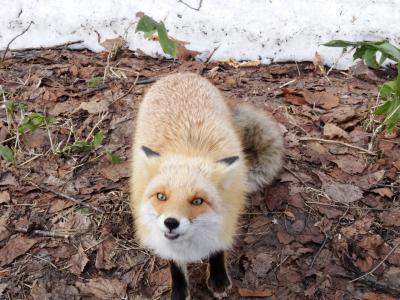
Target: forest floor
65, 224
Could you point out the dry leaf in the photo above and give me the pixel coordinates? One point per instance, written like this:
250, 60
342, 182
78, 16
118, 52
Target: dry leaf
98, 105
367, 181
350, 164
390, 218
376, 296
5, 197
331, 131
102, 288
115, 172
184, 54
114, 45
343, 193
14, 248
105, 254
384, 192
78, 261
324, 100
318, 66
243, 292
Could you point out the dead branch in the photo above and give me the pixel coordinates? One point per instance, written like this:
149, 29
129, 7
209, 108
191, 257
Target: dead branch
14, 38
59, 46
191, 7
339, 143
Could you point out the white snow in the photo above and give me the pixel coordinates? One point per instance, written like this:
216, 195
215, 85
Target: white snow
269, 30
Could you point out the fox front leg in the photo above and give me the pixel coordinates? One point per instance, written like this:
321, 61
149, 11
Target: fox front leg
180, 284
218, 281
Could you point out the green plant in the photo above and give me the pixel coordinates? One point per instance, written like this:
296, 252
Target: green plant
149, 26
81, 146
367, 51
13, 106
7, 153
389, 92
94, 82
33, 121
114, 158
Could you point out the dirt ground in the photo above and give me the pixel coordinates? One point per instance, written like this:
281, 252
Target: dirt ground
65, 225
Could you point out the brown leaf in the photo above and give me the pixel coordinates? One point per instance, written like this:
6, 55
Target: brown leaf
325, 100
365, 264
184, 54
331, 131
359, 227
384, 192
39, 291
7, 178
367, 181
374, 245
5, 197
103, 288
243, 292
105, 254
350, 164
161, 277
339, 115
115, 172
390, 218
318, 66
114, 45
95, 106
343, 193
14, 248
376, 296
78, 261
262, 263
293, 97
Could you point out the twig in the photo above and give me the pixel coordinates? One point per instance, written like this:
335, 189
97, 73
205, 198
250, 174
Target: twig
211, 54
287, 83
377, 266
65, 196
375, 133
42, 233
319, 251
336, 61
13, 39
59, 46
129, 90
337, 142
343, 206
198, 8
102, 118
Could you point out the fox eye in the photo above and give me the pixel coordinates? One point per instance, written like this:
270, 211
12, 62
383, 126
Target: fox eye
197, 201
161, 197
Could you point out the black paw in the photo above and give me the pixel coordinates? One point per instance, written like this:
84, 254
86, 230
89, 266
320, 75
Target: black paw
220, 286
180, 294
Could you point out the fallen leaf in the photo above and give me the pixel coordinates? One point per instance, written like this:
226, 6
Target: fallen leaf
262, 263
5, 197
390, 218
350, 164
331, 131
376, 296
342, 193
105, 254
160, 277
365, 264
102, 288
95, 106
115, 172
243, 292
374, 245
39, 291
339, 115
318, 66
78, 261
393, 276
324, 100
384, 192
184, 54
7, 178
14, 248
361, 71
359, 227
293, 97
367, 181
114, 45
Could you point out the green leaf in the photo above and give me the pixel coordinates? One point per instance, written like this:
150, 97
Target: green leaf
340, 43
115, 159
168, 45
370, 58
94, 82
389, 50
98, 139
380, 110
7, 153
33, 121
12, 106
146, 24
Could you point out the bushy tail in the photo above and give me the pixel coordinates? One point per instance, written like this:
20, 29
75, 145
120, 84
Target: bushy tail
262, 142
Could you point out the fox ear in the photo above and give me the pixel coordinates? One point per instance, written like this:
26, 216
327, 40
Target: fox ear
149, 153
228, 161
227, 164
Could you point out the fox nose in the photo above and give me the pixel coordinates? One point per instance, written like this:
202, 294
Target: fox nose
171, 223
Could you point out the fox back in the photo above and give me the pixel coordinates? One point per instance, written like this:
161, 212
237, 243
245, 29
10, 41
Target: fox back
189, 174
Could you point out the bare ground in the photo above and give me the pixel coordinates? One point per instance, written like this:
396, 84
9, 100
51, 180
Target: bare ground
331, 216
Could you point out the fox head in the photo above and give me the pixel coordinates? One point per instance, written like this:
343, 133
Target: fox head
182, 205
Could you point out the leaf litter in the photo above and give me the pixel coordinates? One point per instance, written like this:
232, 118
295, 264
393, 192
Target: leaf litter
332, 213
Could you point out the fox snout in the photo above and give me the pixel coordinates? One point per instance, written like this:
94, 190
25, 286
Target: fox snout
172, 227
171, 223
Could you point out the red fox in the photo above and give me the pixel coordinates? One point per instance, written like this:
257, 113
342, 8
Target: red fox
195, 158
